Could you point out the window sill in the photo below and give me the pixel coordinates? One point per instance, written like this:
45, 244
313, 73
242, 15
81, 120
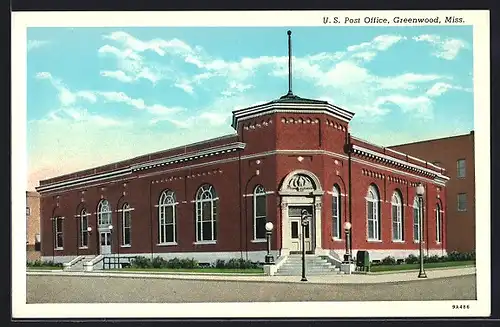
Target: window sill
259, 241
59, 249
374, 241
126, 246
204, 242
398, 241
465, 210
167, 244
83, 248
336, 239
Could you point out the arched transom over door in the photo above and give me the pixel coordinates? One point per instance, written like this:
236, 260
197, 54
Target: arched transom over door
300, 190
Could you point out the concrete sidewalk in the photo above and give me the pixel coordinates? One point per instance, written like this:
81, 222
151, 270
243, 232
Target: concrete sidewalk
324, 279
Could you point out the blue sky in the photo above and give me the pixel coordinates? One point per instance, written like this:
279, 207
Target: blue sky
96, 95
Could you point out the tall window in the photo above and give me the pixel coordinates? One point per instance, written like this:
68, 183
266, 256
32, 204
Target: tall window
397, 217
416, 220
126, 224
462, 202
206, 213
373, 213
336, 212
439, 223
167, 220
104, 213
84, 233
58, 232
461, 168
259, 213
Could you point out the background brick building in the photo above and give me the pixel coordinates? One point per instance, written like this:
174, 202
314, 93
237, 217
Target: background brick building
32, 225
456, 155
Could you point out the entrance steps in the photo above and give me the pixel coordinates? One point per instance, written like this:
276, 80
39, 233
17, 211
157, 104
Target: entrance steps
77, 264
315, 265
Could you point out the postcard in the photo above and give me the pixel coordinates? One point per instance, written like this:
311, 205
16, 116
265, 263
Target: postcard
255, 164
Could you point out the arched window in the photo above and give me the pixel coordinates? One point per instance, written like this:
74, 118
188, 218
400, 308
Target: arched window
58, 233
416, 220
167, 232
397, 217
206, 214
84, 233
104, 213
259, 213
336, 212
126, 224
373, 213
439, 223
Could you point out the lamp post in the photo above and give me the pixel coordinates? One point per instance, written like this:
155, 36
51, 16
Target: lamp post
269, 230
89, 232
420, 195
305, 217
111, 242
347, 230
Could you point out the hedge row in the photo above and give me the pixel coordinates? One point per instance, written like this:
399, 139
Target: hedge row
452, 256
40, 263
176, 263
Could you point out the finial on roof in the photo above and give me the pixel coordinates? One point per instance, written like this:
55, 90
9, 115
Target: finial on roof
290, 93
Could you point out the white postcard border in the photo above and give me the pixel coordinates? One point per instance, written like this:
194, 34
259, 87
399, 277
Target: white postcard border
479, 19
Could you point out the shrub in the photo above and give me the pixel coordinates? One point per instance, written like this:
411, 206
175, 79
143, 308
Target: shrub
158, 262
388, 261
40, 263
219, 263
189, 263
461, 256
140, 262
432, 259
174, 263
411, 259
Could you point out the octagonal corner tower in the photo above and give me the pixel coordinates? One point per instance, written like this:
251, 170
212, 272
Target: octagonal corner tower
292, 123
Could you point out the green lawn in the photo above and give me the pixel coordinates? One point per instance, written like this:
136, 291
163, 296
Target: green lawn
44, 268
416, 266
196, 270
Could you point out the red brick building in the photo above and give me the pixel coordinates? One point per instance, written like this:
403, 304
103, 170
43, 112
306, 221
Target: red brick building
456, 155
32, 226
211, 199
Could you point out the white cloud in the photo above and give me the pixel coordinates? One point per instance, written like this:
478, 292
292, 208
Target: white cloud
440, 88
447, 49
34, 44
66, 97
70, 115
421, 105
366, 56
43, 75
185, 86
131, 66
117, 74
406, 81
157, 45
379, 43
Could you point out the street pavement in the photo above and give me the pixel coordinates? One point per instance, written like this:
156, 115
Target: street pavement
98, 287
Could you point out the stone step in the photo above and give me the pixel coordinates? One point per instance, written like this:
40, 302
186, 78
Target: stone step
314, 266
308, 270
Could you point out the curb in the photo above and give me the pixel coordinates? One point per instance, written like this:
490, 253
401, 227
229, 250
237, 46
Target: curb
246, 280
390, 272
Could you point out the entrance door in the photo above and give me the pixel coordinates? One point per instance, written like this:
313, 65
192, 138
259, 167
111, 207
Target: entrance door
105, 242
296, 234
